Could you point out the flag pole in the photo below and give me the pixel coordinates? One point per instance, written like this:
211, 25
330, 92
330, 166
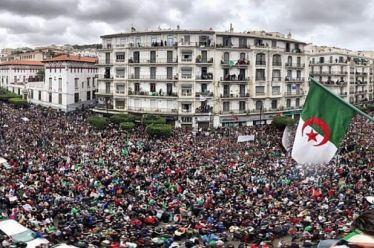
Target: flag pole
342, 101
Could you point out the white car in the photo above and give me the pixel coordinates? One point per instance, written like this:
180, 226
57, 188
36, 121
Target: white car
20, 233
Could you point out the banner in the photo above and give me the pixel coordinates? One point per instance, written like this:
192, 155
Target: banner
245, 138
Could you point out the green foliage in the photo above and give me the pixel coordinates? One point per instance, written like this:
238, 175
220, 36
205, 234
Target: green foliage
98, 121
5, 95
117, 119
160, 130
17, 101
127, 125
153, 119
281, 122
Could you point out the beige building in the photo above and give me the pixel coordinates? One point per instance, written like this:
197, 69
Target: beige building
202, 78
347, 73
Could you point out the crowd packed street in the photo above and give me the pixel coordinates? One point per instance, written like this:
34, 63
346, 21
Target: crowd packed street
74, 184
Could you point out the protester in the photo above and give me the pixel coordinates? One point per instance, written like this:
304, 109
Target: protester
73, 184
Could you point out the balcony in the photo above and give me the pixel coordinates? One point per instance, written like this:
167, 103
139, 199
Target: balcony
204, 94
120, 92
231, 63
186, 60
259, 95
277, 63
260, 62
153, 78
228, 96
234, 78
152, 94
104, 92
157, 44
137, 62
203, 77
295, 50
297, 79
206, 109
106, 62
107, 47
292, 93
120, 76
153, 110
295, 65
200, 60
208, 44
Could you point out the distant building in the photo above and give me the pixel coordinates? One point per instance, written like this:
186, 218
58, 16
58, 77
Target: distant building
70, 83
347, 73
203, 78
16, 74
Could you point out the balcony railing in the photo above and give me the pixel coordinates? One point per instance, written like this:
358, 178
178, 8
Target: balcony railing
155, 110
277, 63
234, 95
105, 92
238, 63
297, 65
157, 44
157, 77
153, 61
297, 79
277, 79
234, 78
147, 93
204, 60
120, 76
260, 62
296, 93
186, 59
204, 94
208, 76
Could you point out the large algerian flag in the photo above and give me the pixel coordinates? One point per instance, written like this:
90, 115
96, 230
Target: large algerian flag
324, 120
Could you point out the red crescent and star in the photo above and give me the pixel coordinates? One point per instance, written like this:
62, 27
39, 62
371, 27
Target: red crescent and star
313, 135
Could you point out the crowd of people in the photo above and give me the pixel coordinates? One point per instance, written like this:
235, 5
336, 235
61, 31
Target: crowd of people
74, 184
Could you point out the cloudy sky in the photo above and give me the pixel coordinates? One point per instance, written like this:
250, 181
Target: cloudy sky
341, 23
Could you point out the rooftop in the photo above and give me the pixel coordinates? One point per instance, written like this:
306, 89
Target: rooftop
72, 58
22, 62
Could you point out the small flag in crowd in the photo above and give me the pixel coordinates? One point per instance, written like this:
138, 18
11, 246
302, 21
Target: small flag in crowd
125, 152
323, 123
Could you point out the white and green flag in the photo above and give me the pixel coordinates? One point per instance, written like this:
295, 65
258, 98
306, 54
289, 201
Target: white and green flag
323, 123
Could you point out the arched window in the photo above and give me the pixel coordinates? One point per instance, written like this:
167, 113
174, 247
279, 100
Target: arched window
277, 60
260, 59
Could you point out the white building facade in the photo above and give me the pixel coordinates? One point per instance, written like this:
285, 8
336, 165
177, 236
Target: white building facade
202, 78
70, 83
14, 75
348, 74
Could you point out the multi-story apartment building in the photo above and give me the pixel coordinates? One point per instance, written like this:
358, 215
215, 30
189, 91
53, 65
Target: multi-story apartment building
15, 74
347, 73
70, 83
202, 78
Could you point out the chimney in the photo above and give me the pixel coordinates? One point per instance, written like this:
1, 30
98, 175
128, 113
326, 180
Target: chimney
231, 28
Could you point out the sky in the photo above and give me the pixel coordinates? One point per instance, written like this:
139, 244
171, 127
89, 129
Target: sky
339, 23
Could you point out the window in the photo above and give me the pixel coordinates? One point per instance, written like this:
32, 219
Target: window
273, 43
227, 41
88, 95
93, 82
242, 56
260, 74
260, 59
76, 83
226, 90
170, 40
120, 89
186, 90
186, 119
330, 59
60, 98
169, 89
186, 108
204, 88
297, 102
32, 94
152, 56
107, 58
186, 39
186, 56
321, 60
226, 106
289, 61
276, 75
274, 104
288, 103
82, 85
260, 90
169, 72
242, 90
107, 88
186, 72
226, 57
242, 42
60, 84
120, 57
259, 105
277, 60
169, 56
298, 74
88, 82
298, 61
275, 90
93, 94
137, 87
50, 83
153, 73
153, 87
39, 95
137, 72
76, 97
241, 105
50, 97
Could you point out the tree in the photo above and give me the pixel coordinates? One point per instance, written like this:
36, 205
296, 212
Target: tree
98, 121
153, 119
281, 122
119, 118
127, 125
160, 130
